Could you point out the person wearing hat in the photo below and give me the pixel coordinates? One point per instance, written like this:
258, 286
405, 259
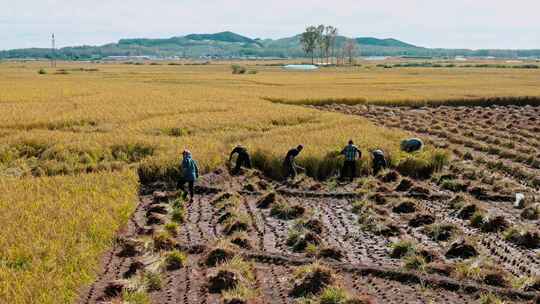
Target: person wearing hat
190, 173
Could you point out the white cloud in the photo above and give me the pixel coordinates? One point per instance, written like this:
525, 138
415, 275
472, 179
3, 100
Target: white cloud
457, 23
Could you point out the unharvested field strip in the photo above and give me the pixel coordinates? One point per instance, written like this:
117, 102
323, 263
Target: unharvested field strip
414, 103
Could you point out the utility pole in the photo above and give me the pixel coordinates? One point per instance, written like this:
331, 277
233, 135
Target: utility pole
53, 55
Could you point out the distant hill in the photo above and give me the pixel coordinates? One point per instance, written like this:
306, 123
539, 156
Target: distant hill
223, 37
232, 45
384, 42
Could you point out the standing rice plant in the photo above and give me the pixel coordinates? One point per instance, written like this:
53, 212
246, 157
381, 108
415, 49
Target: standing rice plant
55, 230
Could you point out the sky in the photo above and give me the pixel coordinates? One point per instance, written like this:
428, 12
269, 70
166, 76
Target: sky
470, 24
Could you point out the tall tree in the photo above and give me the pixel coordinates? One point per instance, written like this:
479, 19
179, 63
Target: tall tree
326, 41
350, 49
321, 41
319, 38
309, 40
331, 33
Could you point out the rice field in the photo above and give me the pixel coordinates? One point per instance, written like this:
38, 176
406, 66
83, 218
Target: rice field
54, 230
84, 135
90, 118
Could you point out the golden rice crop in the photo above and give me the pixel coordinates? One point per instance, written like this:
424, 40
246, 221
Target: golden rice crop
54, 230
121, 114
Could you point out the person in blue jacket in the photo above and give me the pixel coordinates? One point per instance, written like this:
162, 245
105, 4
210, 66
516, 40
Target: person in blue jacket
190, 173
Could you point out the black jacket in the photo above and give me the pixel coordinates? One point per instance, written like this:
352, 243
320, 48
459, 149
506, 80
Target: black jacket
289, 158
242, 153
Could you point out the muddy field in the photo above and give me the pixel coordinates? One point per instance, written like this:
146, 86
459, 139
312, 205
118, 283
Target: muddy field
454, 237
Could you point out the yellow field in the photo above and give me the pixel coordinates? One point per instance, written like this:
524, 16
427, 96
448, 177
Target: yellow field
54, 230
74, 123
89, 121
141, 117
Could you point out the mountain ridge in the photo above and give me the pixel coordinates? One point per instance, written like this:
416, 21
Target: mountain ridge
228, 44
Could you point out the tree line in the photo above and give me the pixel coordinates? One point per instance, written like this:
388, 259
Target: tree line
321, 41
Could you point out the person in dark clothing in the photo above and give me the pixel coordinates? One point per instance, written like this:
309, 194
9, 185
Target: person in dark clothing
412, 145
291, 168
352, 154
379, 161
243, 159
190, 173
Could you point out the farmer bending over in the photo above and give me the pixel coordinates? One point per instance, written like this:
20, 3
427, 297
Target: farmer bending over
243, 159
190, 173
290, 165
352, 154
411, 145
379, 161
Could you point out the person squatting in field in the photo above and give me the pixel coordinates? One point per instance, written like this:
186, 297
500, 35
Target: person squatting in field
190, 173
412, 145
243, 159
289, 164
379, 161
352, 154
